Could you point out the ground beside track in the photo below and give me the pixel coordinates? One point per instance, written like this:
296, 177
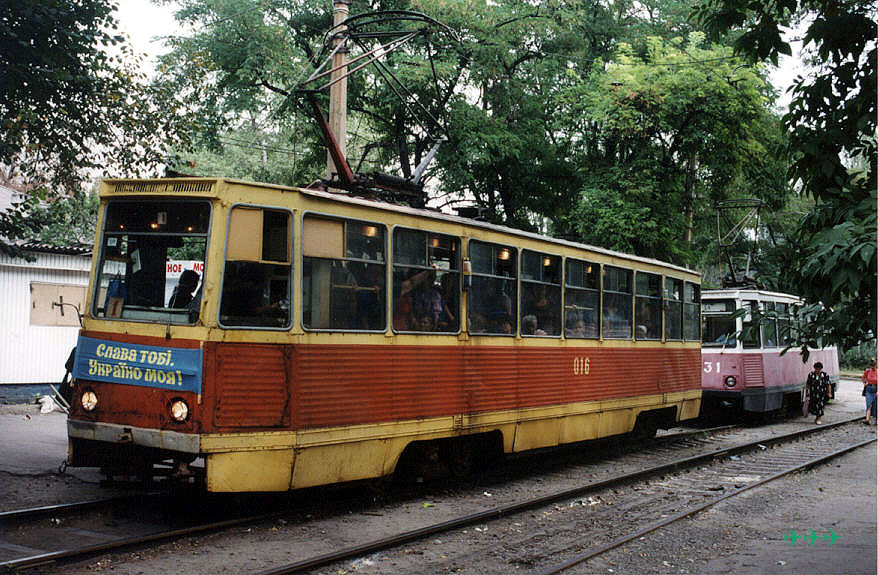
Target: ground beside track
743, 535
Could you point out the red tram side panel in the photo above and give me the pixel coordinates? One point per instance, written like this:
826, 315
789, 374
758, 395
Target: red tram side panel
743, 368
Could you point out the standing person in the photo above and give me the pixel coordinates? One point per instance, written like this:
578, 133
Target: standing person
818, 391
870, 387
183, 291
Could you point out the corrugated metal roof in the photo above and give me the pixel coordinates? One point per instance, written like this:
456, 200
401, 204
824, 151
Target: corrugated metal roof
72, 250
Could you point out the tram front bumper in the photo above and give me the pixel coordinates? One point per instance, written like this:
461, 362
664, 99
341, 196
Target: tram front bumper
126, 435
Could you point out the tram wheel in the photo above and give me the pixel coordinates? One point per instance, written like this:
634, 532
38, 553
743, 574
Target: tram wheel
460, 456
645, 427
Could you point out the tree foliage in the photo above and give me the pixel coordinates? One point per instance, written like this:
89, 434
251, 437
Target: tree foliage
68, 108
832, 130
669, 127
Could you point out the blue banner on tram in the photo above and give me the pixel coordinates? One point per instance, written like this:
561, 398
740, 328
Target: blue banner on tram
147, 365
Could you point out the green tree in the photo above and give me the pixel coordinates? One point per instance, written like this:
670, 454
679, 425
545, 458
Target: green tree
670, 127
68, 107
236, 73
832, 132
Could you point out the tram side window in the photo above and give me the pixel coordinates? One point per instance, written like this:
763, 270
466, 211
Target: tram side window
648, 306
673, 309
256, 278
492, 297
426, 282
717, 326
616, 319
152, 261
783, 324
769, 324
582, 299
344, 275
691, 311
540, 294
751, 333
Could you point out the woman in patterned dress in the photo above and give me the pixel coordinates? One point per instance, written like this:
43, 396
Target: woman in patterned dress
818, 391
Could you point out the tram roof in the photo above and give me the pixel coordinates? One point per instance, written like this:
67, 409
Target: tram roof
745, 293
386, 206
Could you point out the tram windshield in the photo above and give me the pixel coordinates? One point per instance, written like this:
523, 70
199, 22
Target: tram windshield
718, 328
152, 261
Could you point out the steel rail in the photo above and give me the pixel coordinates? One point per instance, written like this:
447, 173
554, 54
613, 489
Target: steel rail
509, 509
698, 509
33, 512
80, 552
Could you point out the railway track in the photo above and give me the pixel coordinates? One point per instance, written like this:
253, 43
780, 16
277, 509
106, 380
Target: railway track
680, 495
672, 448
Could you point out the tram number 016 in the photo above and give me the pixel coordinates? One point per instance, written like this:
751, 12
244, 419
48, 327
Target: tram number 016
580, 365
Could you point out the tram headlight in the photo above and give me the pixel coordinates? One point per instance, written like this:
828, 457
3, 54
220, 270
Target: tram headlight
731, 381
179, 410
89, 400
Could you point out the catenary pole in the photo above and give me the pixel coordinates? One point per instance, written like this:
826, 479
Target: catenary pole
338, 92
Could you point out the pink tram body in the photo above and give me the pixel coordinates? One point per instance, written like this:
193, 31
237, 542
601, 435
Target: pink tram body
750, 373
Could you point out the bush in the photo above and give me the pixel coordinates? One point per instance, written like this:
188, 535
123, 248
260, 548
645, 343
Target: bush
857, 358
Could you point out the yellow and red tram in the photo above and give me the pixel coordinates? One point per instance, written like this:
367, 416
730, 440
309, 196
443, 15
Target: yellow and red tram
293, 337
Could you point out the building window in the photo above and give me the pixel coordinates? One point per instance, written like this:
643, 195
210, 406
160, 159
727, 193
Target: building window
344, 275
492, 298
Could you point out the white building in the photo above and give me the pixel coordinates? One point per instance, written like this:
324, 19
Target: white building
35, 336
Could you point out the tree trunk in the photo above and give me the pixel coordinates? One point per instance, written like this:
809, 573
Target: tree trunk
690, 194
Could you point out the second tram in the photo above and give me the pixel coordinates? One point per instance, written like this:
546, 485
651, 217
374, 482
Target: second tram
750, 374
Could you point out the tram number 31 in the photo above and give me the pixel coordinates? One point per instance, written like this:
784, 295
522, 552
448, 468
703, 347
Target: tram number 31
709, 367
580, 365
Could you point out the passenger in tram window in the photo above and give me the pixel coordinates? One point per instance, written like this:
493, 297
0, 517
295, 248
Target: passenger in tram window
529, 326
404, 318
369, 299
243, 290
183, 291
194, 306
343, 311
476, 323
426, 323
818, 389
640, 327
500, 304
575, 328
448, 287
428, 301
499, 324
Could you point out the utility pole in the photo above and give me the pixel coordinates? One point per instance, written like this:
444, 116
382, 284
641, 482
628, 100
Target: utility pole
338, 91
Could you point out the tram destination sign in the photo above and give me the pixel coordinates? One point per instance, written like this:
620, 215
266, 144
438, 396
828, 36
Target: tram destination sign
145, 365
